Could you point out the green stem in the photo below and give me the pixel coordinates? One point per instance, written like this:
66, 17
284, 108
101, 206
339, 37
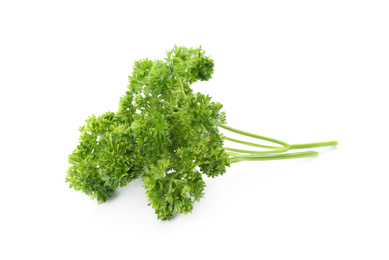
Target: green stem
251, 144
312, 145
253, 152
285, 145
279, 149
234, 154
269, 157
182, 87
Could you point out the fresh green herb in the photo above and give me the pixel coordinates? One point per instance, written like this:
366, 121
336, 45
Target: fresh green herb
165, 134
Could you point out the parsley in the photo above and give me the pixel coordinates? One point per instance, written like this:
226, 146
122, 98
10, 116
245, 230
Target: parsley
165, 134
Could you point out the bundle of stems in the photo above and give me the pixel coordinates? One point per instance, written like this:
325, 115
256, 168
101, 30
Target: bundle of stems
271, 152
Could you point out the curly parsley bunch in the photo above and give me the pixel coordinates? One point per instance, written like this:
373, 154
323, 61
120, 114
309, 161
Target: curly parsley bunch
165, 134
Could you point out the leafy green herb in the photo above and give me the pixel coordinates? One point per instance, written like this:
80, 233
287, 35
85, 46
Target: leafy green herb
165, 134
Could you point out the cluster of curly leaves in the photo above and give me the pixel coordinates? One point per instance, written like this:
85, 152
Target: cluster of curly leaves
162, 132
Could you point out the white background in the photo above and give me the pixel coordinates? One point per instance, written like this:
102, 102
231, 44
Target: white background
300, 71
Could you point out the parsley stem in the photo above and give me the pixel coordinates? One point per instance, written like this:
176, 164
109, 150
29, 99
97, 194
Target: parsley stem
234, 154
182, 87
285, 145
269, 157
276, 149
251, 144
312, 145
280, 150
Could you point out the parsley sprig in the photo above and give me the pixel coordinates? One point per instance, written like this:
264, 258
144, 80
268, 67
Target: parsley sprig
167, 135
